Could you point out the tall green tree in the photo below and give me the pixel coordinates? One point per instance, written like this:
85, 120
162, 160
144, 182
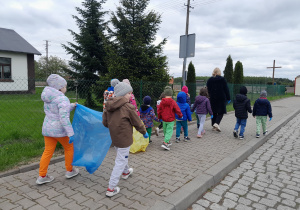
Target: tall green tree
54, 65
133, 54
238, 75
191, 81
88, 51
228, 72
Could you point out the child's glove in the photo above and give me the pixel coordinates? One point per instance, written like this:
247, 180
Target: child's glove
160, 120
71, 139
212, 116
229, 101
270, 118
146, 135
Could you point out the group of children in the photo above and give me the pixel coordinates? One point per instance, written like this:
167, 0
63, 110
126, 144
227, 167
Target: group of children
120, 115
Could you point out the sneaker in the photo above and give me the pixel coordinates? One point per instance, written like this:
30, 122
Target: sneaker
150, 141
126, 175
203, 132
257, 135
43, 180
177, 140
157, 131
235, 134
165, 146
112, 192
265, 133
199, 136
169, 143
241, 137
217, 127
70, 174
186, 139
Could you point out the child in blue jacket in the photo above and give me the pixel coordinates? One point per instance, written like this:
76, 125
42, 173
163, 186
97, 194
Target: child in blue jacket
147, 115
187, 116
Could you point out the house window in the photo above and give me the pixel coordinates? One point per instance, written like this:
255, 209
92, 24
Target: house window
5, 68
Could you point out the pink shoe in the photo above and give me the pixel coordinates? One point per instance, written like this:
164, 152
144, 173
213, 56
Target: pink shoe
203, 132
199, 136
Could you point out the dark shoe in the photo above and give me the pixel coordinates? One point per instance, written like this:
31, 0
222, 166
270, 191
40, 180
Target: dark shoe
150, 141
235, 134
265, 133
257, 135
241, 137
177, 140
165, 146
186, 139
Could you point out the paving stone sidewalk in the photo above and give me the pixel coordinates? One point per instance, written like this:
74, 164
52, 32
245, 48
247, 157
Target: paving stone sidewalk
161, 180
267, 179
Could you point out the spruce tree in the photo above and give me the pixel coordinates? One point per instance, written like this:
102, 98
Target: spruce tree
133, 54
228, 72
191, 81
238, 77
88, 51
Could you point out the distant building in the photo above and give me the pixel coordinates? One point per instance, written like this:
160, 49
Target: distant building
16, 63
297, 86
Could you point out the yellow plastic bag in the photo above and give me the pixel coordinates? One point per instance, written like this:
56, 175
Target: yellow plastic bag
139, 142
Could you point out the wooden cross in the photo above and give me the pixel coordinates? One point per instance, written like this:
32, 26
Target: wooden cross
273, 69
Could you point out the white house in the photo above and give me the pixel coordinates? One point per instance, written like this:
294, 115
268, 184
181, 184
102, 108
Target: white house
297, 86
16, 63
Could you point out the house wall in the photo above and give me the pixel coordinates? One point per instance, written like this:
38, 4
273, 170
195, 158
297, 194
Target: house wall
19, 72
297, 86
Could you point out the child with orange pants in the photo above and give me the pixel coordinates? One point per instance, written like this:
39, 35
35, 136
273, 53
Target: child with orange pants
56, 127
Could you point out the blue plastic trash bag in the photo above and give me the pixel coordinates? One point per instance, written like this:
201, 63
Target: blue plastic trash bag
91, 140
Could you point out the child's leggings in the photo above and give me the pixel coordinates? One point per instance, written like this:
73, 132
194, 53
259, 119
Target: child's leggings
261, 121
181, 124
50, 145
202, 118
121, 166
168, 130
149, 131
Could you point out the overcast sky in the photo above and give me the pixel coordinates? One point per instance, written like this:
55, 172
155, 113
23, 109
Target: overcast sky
254, 32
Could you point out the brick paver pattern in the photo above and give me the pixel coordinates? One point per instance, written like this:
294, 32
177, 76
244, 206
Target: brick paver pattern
267, 179
158, 173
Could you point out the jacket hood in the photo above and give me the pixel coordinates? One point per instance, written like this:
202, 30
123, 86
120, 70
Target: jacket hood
145, 108
241, 97
115, 103
262, 101
167, 101
49, 94
181, 97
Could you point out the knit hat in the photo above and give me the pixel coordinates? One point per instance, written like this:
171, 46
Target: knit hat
147, 100
263, 94
56, 81
126, 81
243, 90
122, 89
114, 82
168, 91
185, 89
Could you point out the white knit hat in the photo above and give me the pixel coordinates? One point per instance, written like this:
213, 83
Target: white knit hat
122, 88
56, 81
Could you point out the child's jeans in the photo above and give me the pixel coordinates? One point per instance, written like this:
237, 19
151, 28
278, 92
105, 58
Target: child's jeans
168, 130
261, 121
50, 145
201, 118
242, 123
121, 166
184, 124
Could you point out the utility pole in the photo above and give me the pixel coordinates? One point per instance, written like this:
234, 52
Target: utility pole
186, 33
47, 47
273, 67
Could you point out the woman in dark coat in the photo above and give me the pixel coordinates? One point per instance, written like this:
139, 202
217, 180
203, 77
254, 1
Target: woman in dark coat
219, 96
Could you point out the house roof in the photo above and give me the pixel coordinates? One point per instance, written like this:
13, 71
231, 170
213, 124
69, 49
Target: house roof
11, 41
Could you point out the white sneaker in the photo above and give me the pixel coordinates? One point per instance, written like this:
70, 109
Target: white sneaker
157, 131
43, 180
70, 174
217, 127
112, 192
125, 176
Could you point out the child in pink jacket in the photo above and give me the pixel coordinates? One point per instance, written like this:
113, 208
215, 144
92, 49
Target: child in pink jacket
132, 98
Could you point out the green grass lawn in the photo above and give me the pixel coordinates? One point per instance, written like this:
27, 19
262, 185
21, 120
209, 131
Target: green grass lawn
21, 122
